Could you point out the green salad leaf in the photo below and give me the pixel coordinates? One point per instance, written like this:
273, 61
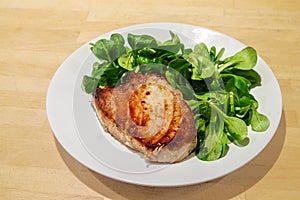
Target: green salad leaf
217, 90
245, 60
141, 41
109, 50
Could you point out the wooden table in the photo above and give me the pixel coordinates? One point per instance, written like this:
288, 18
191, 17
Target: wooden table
37, 36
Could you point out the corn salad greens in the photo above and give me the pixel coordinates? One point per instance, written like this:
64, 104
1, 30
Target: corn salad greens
221, 100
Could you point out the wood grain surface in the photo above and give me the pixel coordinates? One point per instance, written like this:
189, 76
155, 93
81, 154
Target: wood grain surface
37, 36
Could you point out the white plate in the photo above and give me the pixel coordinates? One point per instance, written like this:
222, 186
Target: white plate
77, 129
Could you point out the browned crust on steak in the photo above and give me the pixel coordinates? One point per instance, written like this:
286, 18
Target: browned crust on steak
148, 115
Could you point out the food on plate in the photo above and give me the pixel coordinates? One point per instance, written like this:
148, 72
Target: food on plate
148, 115
211, 92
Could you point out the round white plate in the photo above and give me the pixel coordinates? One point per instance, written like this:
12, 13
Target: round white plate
78, 130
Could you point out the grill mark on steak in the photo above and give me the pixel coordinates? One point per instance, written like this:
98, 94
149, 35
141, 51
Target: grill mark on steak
102, 98
139, 109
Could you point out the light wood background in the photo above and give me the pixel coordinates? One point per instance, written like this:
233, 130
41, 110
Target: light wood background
37, 36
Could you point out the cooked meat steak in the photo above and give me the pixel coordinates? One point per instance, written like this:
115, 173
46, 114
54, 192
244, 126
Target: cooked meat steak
148, 115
